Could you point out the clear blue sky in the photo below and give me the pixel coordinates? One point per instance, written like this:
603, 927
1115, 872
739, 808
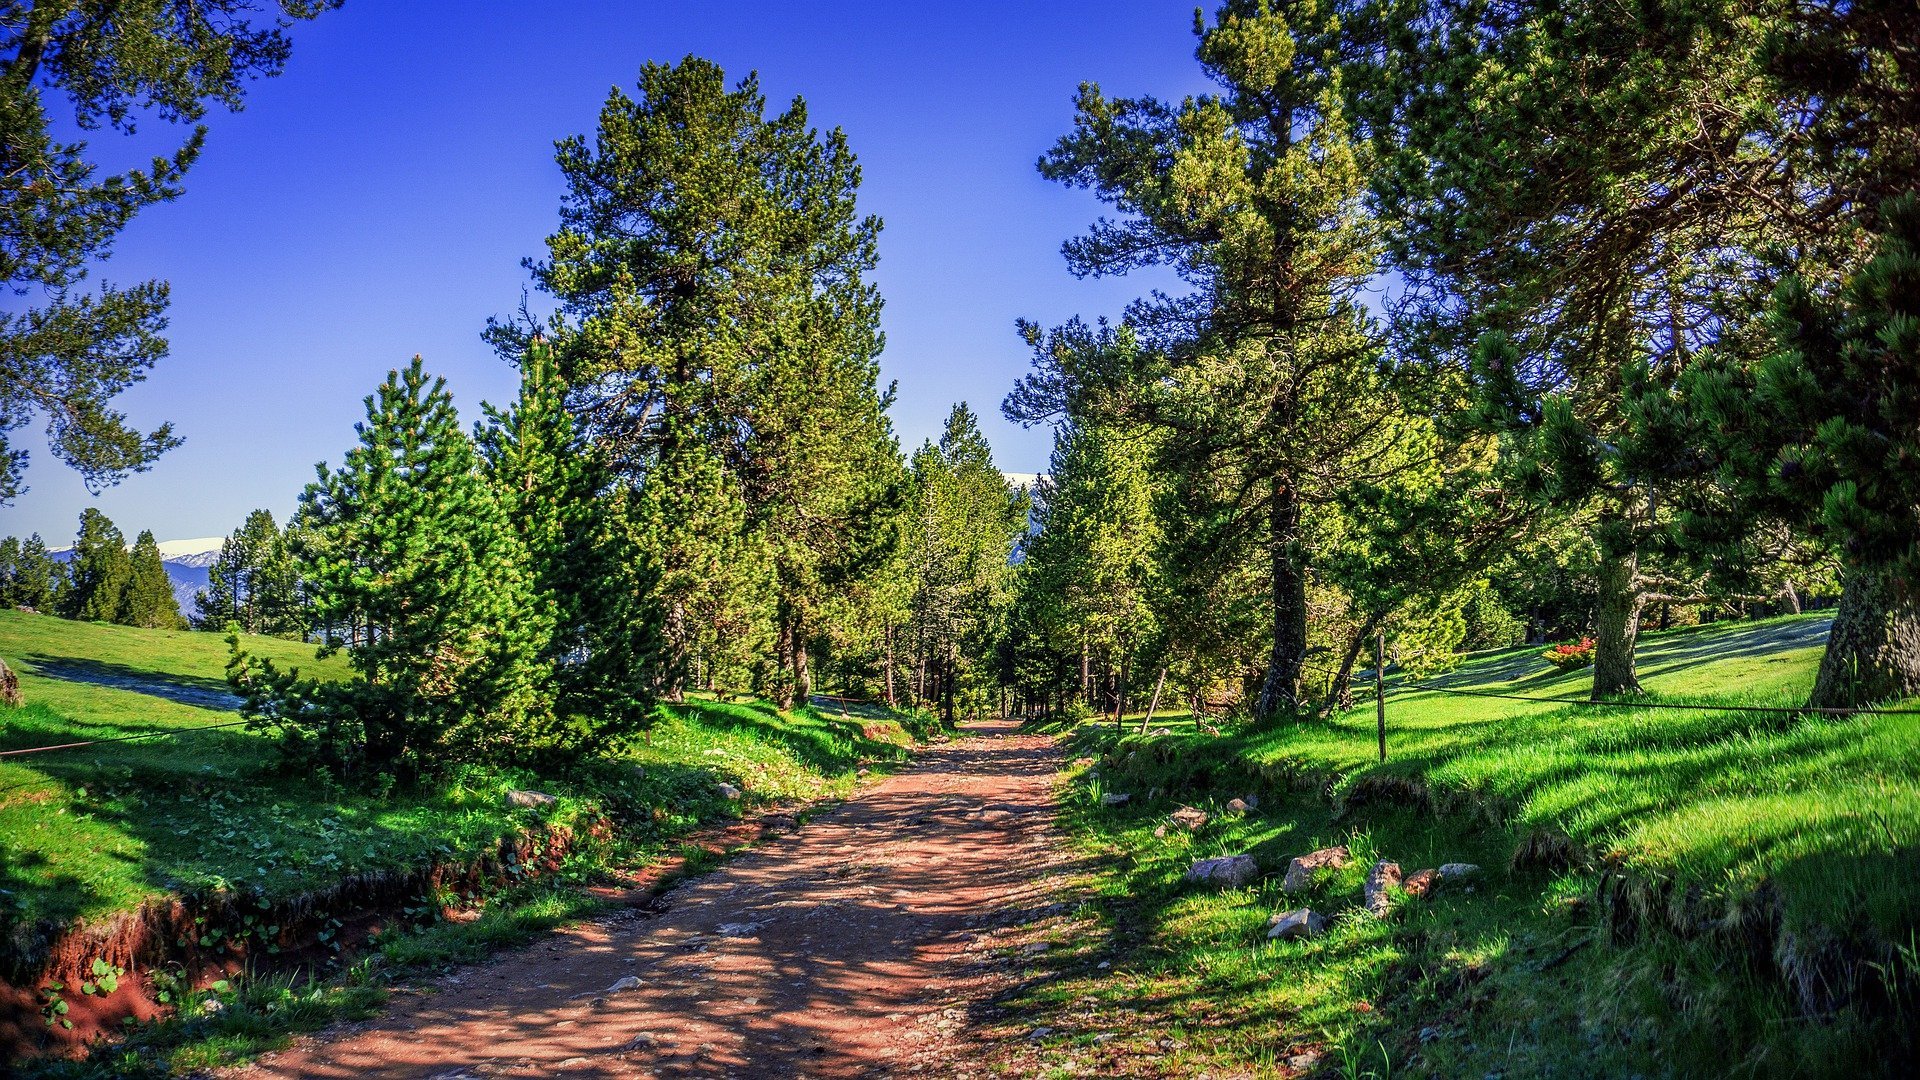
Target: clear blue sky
376, 200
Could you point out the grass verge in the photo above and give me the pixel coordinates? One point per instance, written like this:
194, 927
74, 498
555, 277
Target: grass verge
1761, 851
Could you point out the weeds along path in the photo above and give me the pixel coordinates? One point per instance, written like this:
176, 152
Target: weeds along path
860, 946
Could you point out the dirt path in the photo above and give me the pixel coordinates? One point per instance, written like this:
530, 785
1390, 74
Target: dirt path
856, 947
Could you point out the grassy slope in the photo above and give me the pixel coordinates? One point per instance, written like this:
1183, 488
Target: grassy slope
87, 832
1500, 979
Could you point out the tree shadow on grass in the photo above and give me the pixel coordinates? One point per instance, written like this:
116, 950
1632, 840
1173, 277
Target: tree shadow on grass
193, 690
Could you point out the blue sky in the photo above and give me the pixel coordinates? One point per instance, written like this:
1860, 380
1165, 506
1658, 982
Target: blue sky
376, 200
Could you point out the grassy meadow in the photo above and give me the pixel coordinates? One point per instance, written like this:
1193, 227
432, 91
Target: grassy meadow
1664, 891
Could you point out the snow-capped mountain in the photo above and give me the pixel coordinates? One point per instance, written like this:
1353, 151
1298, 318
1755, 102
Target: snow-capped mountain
186, 561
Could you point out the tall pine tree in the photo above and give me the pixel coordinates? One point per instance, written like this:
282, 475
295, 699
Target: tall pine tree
147, 599
98, 570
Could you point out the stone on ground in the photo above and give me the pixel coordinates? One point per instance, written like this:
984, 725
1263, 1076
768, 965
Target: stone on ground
1188, 818
1231, 871
1238, 806
1457, 871
1300, 870
530, 800
1299, 923
1380, 882
728, 791
1115, 798
1420, 882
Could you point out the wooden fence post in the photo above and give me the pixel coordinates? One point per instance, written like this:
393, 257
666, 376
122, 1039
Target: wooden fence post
1380, 687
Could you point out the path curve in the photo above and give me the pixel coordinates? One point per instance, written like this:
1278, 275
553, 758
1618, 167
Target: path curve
856, 947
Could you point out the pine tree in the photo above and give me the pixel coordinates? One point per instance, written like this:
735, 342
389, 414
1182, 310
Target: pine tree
966, 522
68, 355
1824, 434
147, 599
597, 655
414, 569
1269, 377
711, 270
250, 582
38, 578
98, 570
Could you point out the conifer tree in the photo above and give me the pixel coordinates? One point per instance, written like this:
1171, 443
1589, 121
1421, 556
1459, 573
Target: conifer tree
597, 654
1268, 378
98, 570
147, 599
250, 582
966, 523
69, 352
414, 570
711, 271
32, 578
1824, 434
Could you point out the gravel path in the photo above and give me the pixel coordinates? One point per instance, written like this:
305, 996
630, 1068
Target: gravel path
858, 946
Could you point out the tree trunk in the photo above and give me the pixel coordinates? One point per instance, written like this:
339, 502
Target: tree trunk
1280, 692
1873, 650
675, 633
889, 667
1340, 695
1086, 673
1617, 626
783, 648
1158, 685
802, 672
1792, 596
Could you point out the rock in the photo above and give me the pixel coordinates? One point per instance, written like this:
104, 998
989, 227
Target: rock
728, 791
1380, 880
1188, 818
1231, 871
1035, 949
1300, 871
10, 687
1238, 806
530, 800
639, 772
739, 929
1039, 1033
1457, 871
1160, 833
1115, 798
624, 984
1299, 923
1421, 882
861, 771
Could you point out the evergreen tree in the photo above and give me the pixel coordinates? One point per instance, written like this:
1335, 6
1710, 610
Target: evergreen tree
153, 60
414, 570
37, 579
1268, 378
966, 524
1824, 434
708, 569
598, 653
98, 570
250, 583
147, 599
711, 270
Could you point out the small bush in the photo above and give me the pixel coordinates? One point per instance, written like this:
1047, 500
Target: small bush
1569, 656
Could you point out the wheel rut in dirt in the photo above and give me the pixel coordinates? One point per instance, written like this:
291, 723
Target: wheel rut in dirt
851, 948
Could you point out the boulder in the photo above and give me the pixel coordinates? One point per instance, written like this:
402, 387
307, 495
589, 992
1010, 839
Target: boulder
1380, 881
1457, 871
1420, 882
1299, 923
1230, 871
1188, 818
1300, 870
728, 791
1238, 806
530, 800
624, 984
10, 687
1115, 798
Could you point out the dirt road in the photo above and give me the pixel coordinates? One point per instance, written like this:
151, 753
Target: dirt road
856, 947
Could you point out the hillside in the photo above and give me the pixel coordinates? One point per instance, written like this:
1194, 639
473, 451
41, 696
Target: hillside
93, 832
1664, 890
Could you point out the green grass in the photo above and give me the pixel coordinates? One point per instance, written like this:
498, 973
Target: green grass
1518, 977
88, 832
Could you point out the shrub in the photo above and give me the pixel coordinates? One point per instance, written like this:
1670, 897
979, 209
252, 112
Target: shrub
1572, 655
